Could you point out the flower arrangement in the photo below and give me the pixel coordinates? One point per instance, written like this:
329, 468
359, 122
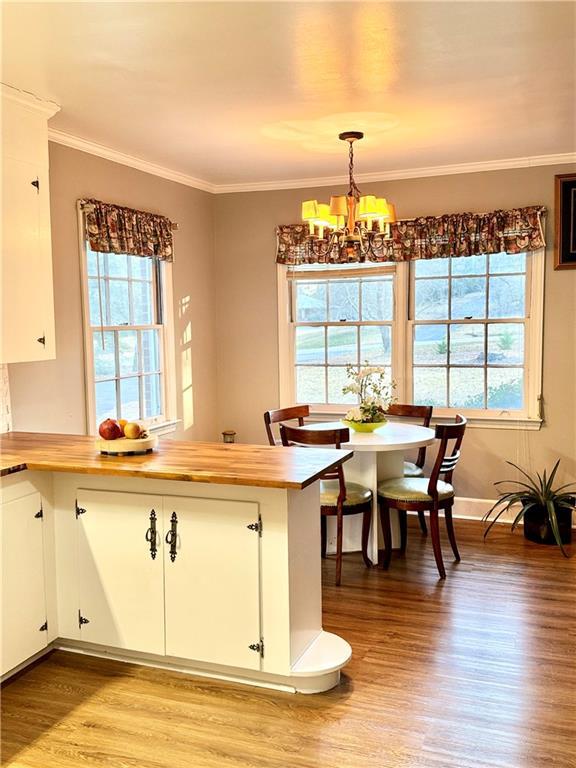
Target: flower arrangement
375, 394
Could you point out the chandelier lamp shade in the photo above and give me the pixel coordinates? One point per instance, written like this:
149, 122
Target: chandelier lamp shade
351, 221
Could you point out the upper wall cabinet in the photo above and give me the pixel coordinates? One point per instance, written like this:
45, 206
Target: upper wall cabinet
27, 319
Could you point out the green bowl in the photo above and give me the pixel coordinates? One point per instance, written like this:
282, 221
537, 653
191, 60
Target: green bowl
364, 426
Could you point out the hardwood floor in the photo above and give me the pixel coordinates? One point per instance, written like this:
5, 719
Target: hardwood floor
478, 671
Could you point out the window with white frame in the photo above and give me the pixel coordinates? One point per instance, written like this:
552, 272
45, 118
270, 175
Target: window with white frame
461, 333
125, 338
340, 316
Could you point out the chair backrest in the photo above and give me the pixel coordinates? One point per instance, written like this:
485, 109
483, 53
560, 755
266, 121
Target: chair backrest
296, 412
421, 412
446, 461
319, 437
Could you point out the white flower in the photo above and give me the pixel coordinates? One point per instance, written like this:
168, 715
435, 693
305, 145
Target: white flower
354, 414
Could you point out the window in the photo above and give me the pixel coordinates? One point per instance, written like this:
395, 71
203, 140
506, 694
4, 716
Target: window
469, 332
340, 317
125, 337
463, 334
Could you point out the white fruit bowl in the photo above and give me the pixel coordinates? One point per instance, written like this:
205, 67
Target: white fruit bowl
124, 446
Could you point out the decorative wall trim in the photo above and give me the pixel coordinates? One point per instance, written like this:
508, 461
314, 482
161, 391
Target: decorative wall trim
93, 148
30, 100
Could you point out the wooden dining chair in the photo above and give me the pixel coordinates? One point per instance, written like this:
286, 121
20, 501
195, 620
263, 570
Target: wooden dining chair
294, 413
337, 498
425, 495
414, 469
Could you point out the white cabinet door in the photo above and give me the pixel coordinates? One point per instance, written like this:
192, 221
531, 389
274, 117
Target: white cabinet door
212, 583
23, 589
121, 585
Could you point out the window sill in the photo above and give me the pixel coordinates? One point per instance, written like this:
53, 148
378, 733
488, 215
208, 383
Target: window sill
164, 428
476, 421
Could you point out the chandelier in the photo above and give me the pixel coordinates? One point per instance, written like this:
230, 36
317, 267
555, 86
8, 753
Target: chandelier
350, 222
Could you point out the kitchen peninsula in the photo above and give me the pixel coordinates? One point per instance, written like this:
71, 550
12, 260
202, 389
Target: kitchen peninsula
200, 557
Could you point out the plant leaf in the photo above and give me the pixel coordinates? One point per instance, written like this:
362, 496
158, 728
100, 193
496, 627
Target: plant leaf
554, 525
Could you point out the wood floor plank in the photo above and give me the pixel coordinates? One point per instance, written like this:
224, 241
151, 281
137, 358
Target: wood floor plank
478, 671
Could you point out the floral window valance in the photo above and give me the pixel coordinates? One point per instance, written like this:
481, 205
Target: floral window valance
116, 229
428, 237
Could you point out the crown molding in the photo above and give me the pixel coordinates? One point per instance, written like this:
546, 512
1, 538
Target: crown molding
93, 148
30, 100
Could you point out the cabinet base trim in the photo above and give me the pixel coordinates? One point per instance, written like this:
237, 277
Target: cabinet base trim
28, 663
310, 683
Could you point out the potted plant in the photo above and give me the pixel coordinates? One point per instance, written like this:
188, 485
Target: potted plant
375, 395
545, 510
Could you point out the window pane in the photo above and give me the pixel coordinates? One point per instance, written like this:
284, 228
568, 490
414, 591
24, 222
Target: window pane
337, 379
343, 300
92, 261
377, 302
143, 303
104, 355
467, 344
376, 344
342, 345
128, 352
105, 401
117, 265
507, 296
310, 346
150, 350
431, 267
430, 345
505, 388
431, 300
151, 387
506, 343
141, 267
508, 262
469, 265
466, 388
468, 297
310, 384
94, 301
430, 386
130, 398
310, 302
119, 306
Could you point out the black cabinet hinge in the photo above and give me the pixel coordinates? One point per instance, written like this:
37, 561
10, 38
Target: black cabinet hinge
36, 183
39, 514
256, 526
79, 510
44, 627
82, 620
258, 647
42, 340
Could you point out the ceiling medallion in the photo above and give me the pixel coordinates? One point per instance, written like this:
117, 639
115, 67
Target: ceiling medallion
349, 222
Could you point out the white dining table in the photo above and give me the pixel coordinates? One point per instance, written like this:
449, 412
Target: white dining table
378, 456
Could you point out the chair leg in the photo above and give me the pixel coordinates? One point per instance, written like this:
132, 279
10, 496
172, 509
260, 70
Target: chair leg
366, 523
402, 519
422, 521
339, 521
386, 532
435, 533
323, 536
451, 534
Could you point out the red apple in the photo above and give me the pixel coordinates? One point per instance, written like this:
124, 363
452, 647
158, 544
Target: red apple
110, 430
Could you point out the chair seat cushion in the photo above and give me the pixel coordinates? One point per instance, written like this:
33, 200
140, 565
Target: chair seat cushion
412, 470
412, 489
355, 493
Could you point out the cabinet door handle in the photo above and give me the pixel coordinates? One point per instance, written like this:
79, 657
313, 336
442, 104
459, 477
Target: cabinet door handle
41, 340
172, 535
151, 534
36, 183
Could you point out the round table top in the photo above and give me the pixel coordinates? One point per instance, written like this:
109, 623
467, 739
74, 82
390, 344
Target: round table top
393, 436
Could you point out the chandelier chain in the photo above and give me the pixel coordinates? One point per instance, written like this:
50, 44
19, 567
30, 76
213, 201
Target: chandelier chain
353, 191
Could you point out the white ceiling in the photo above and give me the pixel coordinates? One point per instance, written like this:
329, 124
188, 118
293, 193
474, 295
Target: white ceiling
236, 93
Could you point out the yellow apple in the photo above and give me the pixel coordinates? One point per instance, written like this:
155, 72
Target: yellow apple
132, 430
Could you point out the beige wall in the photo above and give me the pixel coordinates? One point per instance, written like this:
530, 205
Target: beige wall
49, 396
246, 319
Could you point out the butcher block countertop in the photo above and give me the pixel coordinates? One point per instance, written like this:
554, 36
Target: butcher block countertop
237, 464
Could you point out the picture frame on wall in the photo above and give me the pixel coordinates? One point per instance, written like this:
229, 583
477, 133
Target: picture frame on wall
565, 245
